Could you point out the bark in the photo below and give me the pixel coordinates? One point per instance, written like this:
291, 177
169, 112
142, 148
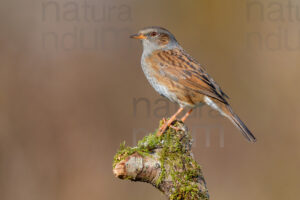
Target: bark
166, 162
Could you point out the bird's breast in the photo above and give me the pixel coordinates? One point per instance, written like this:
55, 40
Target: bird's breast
156, 78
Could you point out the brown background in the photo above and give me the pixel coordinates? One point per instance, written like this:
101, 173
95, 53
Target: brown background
65, 110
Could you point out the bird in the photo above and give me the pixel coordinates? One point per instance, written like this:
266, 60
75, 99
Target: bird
177, 76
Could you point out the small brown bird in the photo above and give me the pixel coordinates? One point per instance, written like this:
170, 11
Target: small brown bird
174, 74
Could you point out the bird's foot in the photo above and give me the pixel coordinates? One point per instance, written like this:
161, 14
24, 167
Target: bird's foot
166, 124
164, 127
176, 128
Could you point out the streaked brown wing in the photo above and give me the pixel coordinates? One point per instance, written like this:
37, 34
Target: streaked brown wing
183, 69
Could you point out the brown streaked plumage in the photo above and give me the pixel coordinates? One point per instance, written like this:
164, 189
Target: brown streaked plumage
177, 76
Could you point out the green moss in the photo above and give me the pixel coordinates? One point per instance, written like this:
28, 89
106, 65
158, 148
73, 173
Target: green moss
126, 151
144, 148
174, 154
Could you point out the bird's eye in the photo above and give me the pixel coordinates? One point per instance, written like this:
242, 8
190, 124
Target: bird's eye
153, 34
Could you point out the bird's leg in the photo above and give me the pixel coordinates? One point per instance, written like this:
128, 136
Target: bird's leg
186, 115
182, 119
169, 122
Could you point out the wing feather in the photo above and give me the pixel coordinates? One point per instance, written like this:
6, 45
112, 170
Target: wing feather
177, 65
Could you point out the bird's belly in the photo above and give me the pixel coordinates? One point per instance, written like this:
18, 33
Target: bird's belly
159, 87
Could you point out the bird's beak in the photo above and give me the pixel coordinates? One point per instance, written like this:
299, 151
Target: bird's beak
138, 36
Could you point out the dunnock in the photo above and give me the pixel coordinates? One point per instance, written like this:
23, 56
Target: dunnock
174, 74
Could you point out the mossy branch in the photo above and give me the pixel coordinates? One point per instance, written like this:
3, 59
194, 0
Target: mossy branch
166, 162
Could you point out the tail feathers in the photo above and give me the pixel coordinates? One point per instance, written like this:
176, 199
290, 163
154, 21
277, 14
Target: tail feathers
239, 124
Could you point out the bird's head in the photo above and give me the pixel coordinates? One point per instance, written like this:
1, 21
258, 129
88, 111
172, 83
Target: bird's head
155, 37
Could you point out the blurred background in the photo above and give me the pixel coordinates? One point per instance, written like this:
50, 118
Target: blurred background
72, 90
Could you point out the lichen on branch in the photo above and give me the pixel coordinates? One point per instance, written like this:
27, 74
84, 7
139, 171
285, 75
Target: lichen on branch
166, 162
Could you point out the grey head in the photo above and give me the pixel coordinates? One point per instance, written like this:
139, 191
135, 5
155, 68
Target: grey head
154, 38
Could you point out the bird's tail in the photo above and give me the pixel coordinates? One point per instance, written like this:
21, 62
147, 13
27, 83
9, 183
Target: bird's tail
239, 124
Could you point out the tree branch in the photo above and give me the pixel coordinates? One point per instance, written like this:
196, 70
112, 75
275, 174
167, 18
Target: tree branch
166, 162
